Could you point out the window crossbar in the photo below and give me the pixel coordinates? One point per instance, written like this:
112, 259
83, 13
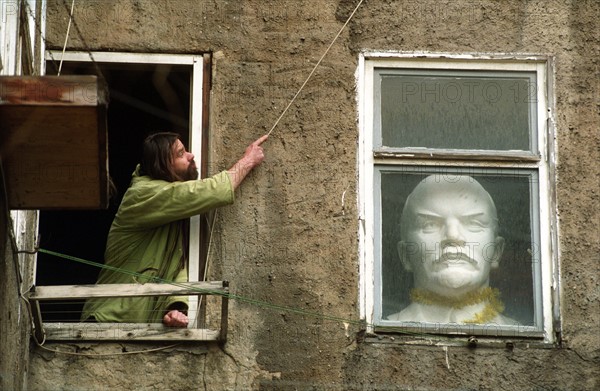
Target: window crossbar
517, 156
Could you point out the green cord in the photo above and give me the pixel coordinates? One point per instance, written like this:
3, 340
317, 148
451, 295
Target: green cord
243, 299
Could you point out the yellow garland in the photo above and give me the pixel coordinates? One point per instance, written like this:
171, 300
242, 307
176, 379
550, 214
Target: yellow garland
492, 308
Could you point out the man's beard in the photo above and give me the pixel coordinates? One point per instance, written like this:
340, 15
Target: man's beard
190, 174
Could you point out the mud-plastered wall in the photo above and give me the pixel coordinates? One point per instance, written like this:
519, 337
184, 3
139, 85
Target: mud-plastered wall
290, 242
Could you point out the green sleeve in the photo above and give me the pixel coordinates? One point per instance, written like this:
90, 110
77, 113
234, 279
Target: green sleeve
150, 203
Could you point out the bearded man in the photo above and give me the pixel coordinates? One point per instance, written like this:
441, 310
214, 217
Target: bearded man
148, 236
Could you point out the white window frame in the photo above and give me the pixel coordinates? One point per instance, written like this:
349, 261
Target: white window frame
195, 130
367, 162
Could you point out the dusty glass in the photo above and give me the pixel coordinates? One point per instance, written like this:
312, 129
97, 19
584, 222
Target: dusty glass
462, 110
514, 275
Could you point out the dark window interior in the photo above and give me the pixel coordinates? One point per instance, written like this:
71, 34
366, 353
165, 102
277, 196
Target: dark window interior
144, 99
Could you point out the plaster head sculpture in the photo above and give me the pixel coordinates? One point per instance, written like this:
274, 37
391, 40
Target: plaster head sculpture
450, 242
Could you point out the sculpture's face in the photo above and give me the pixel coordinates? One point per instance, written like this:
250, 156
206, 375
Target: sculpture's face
450, 243
183, 162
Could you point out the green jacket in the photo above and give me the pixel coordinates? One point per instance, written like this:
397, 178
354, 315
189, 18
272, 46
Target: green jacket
146, 237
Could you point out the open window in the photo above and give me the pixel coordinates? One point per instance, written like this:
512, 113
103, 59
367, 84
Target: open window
454, 166
148, 93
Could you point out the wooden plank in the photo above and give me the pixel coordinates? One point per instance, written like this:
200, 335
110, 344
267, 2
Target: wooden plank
456, 155
67, 292
53, 142
224, 314
52, 91
122, 57
62, 165
415, 330
125, 332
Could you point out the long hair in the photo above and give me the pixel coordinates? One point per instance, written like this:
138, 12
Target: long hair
157, 156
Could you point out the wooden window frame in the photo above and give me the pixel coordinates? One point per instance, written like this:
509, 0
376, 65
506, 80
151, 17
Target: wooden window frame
543, 162
198, 246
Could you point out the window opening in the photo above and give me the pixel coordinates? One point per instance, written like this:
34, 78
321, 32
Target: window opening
138, 105
148, 93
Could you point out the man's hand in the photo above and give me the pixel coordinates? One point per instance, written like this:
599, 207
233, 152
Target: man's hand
253, 156
175, 318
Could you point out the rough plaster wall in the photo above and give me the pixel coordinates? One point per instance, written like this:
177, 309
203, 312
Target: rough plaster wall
15, 322
12, 366
579, 170
291, 237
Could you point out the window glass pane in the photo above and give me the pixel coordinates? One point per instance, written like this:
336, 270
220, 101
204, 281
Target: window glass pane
459, 229
455, 110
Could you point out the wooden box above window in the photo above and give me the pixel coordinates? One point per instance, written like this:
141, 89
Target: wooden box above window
53, 141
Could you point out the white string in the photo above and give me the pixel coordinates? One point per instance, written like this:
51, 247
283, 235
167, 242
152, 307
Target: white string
316, 66
208, 252
206, 266
66, 37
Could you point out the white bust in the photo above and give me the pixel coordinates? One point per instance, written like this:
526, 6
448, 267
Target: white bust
449, 242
